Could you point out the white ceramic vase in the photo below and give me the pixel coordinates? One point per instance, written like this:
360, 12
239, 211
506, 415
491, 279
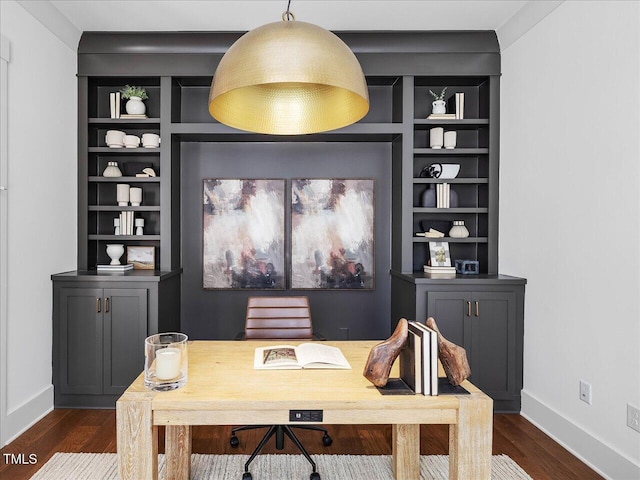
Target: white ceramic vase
112, 170
115, 251
135, 106
458, 230
438, 107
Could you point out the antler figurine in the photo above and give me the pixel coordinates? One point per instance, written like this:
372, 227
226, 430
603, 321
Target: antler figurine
382, 355
453, 357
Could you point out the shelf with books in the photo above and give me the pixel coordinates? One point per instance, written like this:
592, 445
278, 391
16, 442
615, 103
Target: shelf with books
450, 210
123, 237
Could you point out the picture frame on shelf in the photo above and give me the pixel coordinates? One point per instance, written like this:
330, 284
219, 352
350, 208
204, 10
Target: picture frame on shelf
142, 257
439, 254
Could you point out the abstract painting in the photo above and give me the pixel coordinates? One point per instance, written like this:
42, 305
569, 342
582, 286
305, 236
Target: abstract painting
332, 232
243, 234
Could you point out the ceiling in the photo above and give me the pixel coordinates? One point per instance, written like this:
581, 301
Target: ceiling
239, 15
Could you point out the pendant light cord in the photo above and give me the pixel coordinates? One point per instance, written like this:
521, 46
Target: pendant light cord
288, 13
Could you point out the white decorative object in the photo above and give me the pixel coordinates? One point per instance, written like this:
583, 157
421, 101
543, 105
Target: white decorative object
131, 141
450, 139
436, 137
149, 171
122, 194
135, 196
150, 140
139, 226
458, 230
116, 225
112, 170
438, 107
115, 251
114, 138
135, 106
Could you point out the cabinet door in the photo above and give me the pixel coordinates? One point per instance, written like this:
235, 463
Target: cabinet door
492, 348
80, 340
125, 328
450, 309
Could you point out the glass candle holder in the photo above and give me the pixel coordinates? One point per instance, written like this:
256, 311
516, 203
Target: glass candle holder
165, 361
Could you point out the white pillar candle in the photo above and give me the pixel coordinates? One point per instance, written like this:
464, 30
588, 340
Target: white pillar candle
167, 363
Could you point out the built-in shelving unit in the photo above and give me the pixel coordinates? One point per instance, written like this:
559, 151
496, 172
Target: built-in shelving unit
176, 69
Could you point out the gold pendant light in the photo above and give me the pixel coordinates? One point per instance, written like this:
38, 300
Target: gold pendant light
288, 78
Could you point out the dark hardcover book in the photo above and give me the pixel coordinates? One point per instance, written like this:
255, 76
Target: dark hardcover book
411, 363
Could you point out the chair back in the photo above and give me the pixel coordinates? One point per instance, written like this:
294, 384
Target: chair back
278, 317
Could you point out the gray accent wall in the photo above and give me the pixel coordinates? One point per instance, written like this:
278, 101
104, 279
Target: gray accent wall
220, 314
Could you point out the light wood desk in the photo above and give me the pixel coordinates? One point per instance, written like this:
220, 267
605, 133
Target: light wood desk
224, 389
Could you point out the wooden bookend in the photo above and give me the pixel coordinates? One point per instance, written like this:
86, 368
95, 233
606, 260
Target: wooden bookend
453, 357
382, 355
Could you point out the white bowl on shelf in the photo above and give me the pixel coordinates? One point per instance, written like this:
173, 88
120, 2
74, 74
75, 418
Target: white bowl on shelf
450, 170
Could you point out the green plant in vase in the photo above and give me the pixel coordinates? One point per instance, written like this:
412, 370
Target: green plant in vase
135, 96
438, 105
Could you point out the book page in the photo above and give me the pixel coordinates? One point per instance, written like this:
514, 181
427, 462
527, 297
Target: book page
278, 356
317, 355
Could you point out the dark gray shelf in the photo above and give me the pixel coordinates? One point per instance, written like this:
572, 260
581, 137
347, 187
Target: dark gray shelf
124, 237
452, 151
125, 151
123, 121
450, 180
451, 240
117, 208
99, 179
470, 122
450, 210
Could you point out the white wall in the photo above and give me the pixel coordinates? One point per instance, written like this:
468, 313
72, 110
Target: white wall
569, 222
41, 197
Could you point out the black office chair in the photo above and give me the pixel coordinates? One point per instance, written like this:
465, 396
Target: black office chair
279, 318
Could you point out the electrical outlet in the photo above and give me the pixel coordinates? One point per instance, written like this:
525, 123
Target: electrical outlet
633, 417
585, 392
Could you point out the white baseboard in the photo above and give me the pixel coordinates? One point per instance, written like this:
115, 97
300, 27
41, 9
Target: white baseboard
599, 456
23, 417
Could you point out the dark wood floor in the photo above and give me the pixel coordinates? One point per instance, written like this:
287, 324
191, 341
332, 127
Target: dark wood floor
94, 431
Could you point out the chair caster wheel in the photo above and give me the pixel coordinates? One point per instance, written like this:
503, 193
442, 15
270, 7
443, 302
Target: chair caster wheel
314, 476
234, 442
247, 476
326, 440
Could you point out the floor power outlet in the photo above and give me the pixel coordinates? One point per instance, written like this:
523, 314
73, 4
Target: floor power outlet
633, 417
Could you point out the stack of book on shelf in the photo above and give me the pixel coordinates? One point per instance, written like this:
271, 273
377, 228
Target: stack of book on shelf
115, 268
459, 106
439, 272
442, 116
419, 359
114, 104
443, 195
133, 115
126, 223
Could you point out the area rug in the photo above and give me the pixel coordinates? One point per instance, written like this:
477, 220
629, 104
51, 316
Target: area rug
104, 466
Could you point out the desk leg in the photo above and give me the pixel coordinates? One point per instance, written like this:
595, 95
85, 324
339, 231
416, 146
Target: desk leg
405, 442
470, 439
178, 452
137, 438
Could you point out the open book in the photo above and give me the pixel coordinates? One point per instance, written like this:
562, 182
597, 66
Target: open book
305, 355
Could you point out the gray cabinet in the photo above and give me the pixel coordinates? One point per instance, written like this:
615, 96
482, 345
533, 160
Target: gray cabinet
101, 331
99, 326
484, 324
482, 313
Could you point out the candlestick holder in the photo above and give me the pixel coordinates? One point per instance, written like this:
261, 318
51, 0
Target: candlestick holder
165, 361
